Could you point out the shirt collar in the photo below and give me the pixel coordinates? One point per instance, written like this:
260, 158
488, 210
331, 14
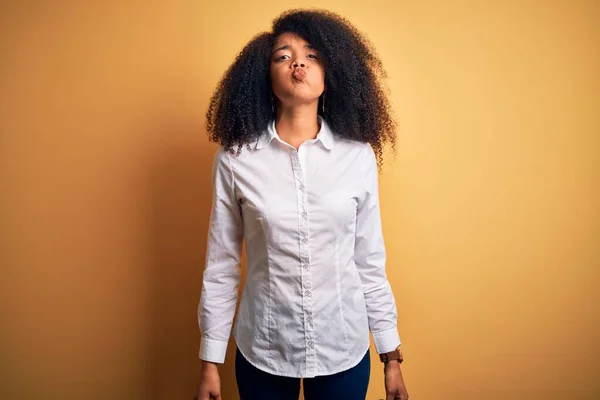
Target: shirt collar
325, 135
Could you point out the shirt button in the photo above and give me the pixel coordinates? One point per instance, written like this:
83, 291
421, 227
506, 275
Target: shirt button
310, 344
304, 214
307, 293
304, 240
304, 265
301, 187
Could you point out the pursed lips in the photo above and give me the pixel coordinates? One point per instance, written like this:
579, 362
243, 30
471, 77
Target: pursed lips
299, 74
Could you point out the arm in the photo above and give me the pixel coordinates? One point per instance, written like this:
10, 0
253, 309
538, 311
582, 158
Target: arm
370, 258
221, 272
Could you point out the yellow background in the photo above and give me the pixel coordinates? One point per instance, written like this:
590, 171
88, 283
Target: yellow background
491, 207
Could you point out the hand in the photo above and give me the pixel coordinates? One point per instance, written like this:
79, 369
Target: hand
394, 383
209, 387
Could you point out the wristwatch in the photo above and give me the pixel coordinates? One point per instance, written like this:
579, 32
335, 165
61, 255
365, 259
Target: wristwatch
392, 355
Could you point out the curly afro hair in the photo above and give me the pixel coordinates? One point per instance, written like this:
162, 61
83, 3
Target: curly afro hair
357, 107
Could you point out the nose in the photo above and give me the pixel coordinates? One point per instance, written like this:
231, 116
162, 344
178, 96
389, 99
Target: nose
296, 65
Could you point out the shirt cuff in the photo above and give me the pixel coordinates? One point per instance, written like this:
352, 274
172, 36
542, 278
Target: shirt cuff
386, 341
212, 350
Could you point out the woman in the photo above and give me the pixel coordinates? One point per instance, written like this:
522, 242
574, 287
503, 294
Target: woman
301, 119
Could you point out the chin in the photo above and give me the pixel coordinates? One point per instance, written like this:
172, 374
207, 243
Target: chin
303, 95
301, 100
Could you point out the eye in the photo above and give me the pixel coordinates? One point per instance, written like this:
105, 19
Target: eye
314, 56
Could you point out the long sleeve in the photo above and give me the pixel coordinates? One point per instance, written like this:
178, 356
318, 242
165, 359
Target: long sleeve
222, 270
370, 259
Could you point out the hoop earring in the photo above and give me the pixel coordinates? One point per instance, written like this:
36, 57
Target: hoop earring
323, 105
272, 107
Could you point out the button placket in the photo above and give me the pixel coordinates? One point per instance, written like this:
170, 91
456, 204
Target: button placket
304, 253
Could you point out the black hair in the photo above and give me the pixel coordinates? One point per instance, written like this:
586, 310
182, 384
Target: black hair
357, 107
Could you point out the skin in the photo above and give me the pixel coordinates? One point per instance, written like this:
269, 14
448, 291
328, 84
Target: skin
395, 388
296, 102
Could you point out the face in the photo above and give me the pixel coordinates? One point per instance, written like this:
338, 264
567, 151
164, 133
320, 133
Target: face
297, 71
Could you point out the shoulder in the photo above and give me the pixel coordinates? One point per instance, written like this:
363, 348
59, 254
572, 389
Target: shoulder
351, 146
361, 152
230, 154
221, 155
222, 160
363, 156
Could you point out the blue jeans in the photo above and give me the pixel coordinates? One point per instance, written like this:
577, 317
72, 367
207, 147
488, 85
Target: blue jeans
254, 384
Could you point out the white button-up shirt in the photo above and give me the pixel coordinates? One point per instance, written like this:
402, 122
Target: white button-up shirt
315, 281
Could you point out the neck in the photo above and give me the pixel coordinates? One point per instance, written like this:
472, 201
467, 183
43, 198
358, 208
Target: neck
296, 124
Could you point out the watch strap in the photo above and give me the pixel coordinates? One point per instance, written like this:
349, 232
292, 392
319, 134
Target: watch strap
392, 355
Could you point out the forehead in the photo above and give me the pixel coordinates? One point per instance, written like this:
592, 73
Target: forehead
289, 38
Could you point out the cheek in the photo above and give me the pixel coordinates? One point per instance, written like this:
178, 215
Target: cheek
321, 76
276, 78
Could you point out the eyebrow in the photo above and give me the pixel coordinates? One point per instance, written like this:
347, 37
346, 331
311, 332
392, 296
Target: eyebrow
287, 46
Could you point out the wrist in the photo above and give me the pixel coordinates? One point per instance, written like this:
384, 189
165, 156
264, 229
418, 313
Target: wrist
208, 367
391, 365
